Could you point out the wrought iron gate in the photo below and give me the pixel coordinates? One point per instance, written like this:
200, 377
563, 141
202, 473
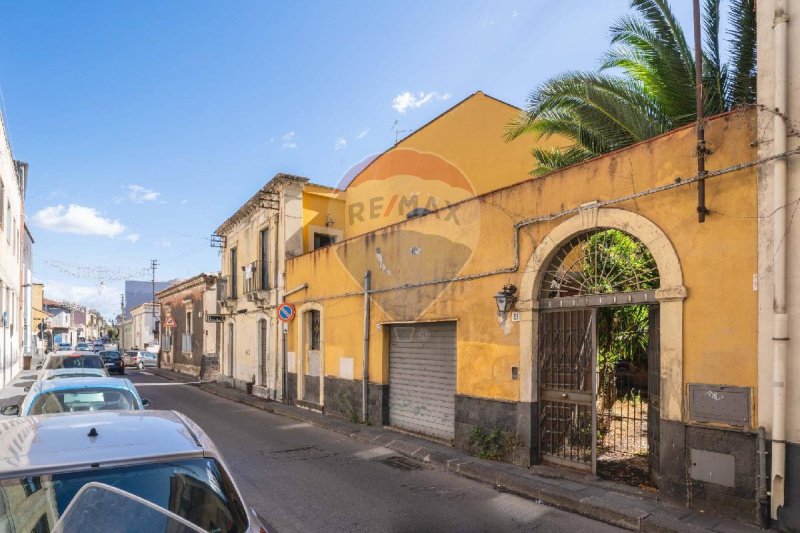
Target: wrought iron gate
566, 384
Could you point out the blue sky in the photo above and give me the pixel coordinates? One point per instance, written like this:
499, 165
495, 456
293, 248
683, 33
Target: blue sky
157, 120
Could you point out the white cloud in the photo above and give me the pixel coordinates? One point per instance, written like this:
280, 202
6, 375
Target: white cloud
77, 219
133, 237
514, 14
164, 243
104, 299
406, 100
184, 201
288, 141
363, 133
139, 195
340, 144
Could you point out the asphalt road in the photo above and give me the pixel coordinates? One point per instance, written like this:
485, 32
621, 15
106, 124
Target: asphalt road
302, 478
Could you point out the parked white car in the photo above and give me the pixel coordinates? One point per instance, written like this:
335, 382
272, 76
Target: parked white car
160, 456
61, 373
74, 395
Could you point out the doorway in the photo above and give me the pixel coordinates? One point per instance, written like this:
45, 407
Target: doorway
598, 358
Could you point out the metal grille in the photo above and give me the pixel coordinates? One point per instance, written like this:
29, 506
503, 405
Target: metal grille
600, 262
566, 416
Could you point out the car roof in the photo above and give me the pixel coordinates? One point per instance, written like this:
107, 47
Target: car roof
47, 443
74, 370
72, 352
83, 382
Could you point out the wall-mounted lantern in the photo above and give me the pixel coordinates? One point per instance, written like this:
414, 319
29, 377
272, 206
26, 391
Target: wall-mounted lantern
505, 299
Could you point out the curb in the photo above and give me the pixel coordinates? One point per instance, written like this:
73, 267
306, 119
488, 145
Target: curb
584, 501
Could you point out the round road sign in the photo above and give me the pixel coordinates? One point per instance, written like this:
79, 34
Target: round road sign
286, 312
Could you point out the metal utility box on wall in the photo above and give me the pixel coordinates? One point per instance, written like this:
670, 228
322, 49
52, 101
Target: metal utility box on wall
720, 404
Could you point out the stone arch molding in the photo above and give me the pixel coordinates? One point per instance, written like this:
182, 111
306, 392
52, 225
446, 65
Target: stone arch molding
300, 316
670, 297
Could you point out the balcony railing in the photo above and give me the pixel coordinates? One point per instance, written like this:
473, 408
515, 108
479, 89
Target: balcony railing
254, 278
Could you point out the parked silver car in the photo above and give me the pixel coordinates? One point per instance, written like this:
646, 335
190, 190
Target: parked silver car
140, 359
160, 456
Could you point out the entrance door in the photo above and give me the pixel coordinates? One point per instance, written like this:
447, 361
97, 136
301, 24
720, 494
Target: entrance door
566, 386
230, 349
422, 378
312, 358
262, 350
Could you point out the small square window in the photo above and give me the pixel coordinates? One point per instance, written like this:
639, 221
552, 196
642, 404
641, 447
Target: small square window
322, 240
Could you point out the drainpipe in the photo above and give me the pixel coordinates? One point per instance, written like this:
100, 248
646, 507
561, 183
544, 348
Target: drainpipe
780, 339
365, 358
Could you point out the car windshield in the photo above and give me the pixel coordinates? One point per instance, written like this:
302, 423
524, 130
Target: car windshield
74, 361
87, 399
195, 489
109, 355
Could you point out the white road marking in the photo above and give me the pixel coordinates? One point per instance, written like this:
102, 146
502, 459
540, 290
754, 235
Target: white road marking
373, 453
295, 426
166, 384
143, 373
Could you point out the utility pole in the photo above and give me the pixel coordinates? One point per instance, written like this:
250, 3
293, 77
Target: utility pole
153, 266
121, 339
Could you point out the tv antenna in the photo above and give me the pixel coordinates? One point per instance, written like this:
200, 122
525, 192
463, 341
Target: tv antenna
397, 131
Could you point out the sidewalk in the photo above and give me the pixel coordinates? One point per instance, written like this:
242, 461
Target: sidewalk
14, 391
623, 506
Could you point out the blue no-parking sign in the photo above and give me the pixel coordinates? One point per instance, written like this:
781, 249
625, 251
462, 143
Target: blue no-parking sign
286, 312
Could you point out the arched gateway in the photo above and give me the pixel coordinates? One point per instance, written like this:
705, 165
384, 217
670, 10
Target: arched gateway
602, 292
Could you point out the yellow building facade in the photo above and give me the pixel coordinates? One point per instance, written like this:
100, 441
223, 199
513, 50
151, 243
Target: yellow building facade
427, 319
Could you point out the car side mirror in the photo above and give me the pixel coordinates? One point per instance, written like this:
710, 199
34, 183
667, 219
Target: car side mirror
26, 389
9, 410
145, 403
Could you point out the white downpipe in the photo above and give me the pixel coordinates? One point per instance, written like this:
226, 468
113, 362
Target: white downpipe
780, 339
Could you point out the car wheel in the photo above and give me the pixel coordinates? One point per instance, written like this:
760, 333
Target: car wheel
141, 365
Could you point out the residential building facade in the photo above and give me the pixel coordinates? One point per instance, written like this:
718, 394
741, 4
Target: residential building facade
278, 222
778, 90
496, 312
13, 182
190, 331
144, 324
28, 333
39, 319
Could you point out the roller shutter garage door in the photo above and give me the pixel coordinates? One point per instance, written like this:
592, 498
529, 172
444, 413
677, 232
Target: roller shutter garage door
422, 378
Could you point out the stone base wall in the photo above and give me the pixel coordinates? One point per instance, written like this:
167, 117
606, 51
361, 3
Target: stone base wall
191, 370
513, 419
343, 399
291, 387
789, 515
676, 483
311, 390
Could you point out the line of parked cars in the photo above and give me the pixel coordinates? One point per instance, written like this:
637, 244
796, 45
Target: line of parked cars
83, 444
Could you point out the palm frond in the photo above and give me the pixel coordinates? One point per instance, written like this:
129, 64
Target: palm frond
650, 47
742, 38
549, 160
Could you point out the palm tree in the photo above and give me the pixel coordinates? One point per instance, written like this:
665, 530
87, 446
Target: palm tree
645, 85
